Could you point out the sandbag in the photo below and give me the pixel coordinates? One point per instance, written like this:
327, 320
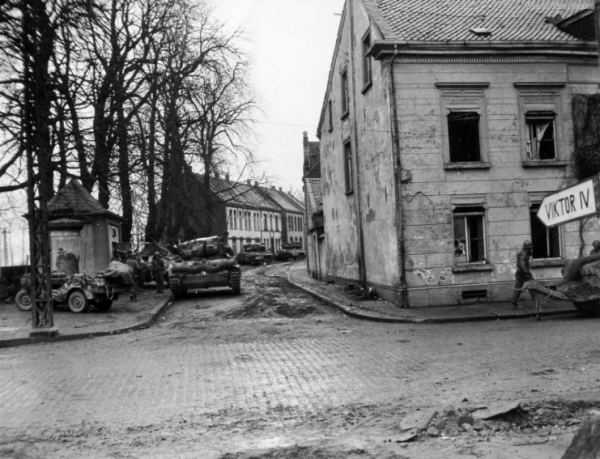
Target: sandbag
571, 270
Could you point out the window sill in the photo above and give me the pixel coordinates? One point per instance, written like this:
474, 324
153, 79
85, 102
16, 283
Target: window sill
543, 163
345, 115
349, 192
472, 267
547, 263
467, 165
366, 87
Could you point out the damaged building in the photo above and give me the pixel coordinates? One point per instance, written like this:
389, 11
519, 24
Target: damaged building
443, 127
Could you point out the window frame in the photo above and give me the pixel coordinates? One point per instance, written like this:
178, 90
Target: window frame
465, 98
535, 99
344, 92
348, 167
367, 61
534, 206
465, 212
330, 115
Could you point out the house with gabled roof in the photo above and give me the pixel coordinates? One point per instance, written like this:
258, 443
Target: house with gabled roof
313, 203
249, 213
444, 125
83, 233
292, 215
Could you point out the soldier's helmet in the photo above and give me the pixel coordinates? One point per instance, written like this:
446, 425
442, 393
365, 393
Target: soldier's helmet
596, 244
527, 245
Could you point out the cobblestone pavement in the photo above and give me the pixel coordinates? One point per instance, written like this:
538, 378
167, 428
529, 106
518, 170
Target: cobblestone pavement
197, 363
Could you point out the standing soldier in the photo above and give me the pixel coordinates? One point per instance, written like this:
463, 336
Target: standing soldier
135, 268
158, 271
523, 273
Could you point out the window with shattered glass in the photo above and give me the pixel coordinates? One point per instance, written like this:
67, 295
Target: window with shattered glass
541, 144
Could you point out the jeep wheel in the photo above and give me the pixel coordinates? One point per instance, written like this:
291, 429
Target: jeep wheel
23, 301
77, 301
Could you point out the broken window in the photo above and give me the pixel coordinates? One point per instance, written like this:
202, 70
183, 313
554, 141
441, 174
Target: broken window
541, 140
345, 93
463, 136
469, 235
546, 241
348, 168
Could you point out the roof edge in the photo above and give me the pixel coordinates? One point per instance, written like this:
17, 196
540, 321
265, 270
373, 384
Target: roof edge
381, 49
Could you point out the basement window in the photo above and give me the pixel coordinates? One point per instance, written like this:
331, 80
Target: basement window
473, 294
469, 235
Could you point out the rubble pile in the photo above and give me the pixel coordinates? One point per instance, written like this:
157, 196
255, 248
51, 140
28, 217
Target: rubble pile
536, 418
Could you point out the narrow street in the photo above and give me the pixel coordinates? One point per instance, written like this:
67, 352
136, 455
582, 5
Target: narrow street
276, 373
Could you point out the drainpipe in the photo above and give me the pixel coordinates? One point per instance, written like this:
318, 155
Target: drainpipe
597, 11
362, 266
398, 180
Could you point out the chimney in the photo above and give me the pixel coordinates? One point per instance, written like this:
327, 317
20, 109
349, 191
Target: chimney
255, 183
273, 187
307, 149
227, 177
280, 190
217, 175
249, 182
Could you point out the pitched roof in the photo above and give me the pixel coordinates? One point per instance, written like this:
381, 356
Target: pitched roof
286, 201
74, 199
452, 20
241, 194
314, 195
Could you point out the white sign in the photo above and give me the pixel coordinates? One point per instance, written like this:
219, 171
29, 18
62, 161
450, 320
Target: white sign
569, 204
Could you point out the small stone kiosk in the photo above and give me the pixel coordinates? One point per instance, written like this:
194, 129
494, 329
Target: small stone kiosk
82, 232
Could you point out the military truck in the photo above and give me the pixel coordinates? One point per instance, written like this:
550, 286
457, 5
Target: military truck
203, 263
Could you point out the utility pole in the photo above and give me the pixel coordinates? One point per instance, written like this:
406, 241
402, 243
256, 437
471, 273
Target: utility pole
37, 37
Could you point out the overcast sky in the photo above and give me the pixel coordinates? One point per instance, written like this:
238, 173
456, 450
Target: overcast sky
291, 44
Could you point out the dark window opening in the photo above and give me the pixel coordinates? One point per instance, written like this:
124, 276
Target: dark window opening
546, 241
348, 168
345, 93
463, 134
330, 116
367, 64
541, 137
469, 235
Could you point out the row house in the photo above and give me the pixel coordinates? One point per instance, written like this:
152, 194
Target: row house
255, 214
444, 125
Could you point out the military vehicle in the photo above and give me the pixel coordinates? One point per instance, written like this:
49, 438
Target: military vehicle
203, 263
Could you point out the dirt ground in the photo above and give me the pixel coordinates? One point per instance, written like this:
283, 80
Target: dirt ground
538, 429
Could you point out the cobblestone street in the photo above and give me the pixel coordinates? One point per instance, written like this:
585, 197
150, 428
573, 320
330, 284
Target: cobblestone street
221, 374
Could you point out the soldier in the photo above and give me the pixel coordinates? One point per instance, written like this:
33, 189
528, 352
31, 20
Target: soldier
596, 248
523, 273
158, 271
135, 268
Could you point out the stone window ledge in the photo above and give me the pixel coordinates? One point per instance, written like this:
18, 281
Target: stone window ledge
467, 165
547, 263
544, 163
467, 268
